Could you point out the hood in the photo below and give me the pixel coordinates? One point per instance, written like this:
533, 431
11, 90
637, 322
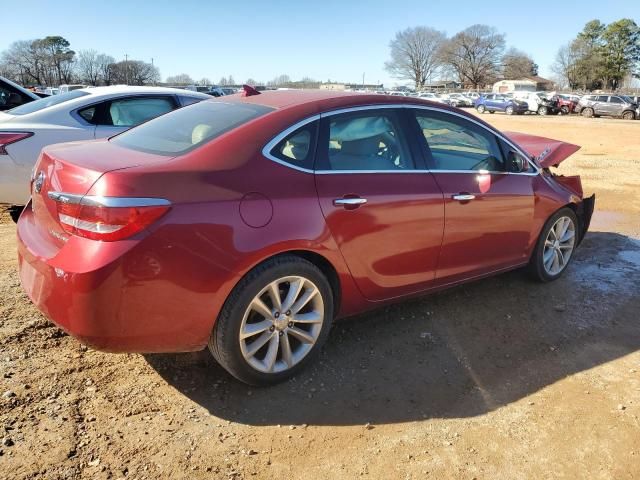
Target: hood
546, 152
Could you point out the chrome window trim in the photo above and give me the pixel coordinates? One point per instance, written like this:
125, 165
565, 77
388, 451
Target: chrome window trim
266, 151
100, 201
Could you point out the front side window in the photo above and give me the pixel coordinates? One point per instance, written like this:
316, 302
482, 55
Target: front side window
189, 127
364, 140
616, 100
603, 98
458, 144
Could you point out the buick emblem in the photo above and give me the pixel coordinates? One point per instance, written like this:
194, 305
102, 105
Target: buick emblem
39, 181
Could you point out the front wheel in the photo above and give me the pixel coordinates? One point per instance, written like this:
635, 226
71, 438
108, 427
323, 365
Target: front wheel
587, 112
509, 110
628, 116
542, 110
274, 321
555, 246
481, 109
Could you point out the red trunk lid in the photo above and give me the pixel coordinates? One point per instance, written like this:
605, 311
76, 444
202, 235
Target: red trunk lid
73, 168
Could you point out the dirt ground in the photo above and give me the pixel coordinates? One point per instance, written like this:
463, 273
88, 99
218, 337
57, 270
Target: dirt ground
500, 379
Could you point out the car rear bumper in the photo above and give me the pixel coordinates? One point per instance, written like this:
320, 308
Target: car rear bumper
97, 299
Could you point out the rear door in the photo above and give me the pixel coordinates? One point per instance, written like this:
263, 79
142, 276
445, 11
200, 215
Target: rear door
488, 210
117, 115
382, 207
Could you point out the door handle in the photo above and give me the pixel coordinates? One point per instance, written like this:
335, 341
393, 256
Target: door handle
463, 197
349, 202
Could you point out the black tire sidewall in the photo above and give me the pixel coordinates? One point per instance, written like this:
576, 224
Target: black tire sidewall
224, 342
536, 264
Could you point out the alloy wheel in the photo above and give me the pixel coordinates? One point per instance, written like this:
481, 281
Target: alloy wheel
558, 246
281, 324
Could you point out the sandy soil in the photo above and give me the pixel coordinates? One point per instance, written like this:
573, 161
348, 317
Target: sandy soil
501, 379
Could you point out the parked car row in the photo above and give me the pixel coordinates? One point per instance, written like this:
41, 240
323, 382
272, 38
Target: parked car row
543, 103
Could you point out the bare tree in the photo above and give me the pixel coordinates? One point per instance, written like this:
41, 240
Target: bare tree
566, 65
134, 72
223, 81
231, 80
280, 81
88, 67
475, 54
415, 54
517, 64
105, 70
181, 79
204, 81
251, 82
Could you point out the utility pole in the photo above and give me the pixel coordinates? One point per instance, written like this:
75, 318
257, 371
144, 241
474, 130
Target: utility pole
126, 69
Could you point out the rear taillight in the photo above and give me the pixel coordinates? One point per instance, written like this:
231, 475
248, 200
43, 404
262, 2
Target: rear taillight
7, 138
107, 218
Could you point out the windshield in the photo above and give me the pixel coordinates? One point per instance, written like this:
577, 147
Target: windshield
43, 103
187, 128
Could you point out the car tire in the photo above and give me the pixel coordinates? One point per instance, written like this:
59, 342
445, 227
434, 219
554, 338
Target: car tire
14, 212
564, 110
481, 109
542, 265
587, 112
628, 116
492, 111
509, 110
542, 110
235, 351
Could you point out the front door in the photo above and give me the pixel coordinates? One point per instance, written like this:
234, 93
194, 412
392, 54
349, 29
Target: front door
488, 210
383, 209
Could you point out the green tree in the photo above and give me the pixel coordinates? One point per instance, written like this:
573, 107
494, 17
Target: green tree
620, 51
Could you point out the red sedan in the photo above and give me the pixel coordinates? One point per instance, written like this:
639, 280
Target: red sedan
248, 223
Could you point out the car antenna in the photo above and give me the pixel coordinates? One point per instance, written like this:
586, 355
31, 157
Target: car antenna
249, 91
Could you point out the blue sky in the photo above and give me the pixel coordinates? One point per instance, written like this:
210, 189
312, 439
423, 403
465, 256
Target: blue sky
326, 39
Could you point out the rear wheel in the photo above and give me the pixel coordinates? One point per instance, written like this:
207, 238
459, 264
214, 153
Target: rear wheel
587, 112
481, 109
555, 246
492, 111
564, 110
542, 110
274, 321
628, 115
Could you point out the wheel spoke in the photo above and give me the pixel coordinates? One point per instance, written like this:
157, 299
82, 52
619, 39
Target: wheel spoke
259, 306
556, 261
274, 295
295, 288
287, 356
548, 256
259, 343
251, 329
568, 235
311, 317
560, 258
301, 335
566, 247
309, 293
565, 226
272, 353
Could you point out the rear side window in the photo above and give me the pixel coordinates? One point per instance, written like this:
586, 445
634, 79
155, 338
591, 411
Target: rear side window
616, 100
364, 140
189, 127
37, 105
128, 112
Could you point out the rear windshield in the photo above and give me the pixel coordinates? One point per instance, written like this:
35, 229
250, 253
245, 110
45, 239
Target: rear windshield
38, 105
185, 129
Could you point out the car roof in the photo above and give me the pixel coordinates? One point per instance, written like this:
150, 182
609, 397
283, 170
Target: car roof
127, 89
315, 101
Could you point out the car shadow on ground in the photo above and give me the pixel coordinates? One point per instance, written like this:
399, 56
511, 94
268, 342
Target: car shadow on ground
459, 353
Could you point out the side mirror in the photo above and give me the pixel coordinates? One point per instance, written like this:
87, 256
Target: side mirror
516, 163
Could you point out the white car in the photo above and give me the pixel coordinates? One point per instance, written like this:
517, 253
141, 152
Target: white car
459, 100
434, 97
83, 114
